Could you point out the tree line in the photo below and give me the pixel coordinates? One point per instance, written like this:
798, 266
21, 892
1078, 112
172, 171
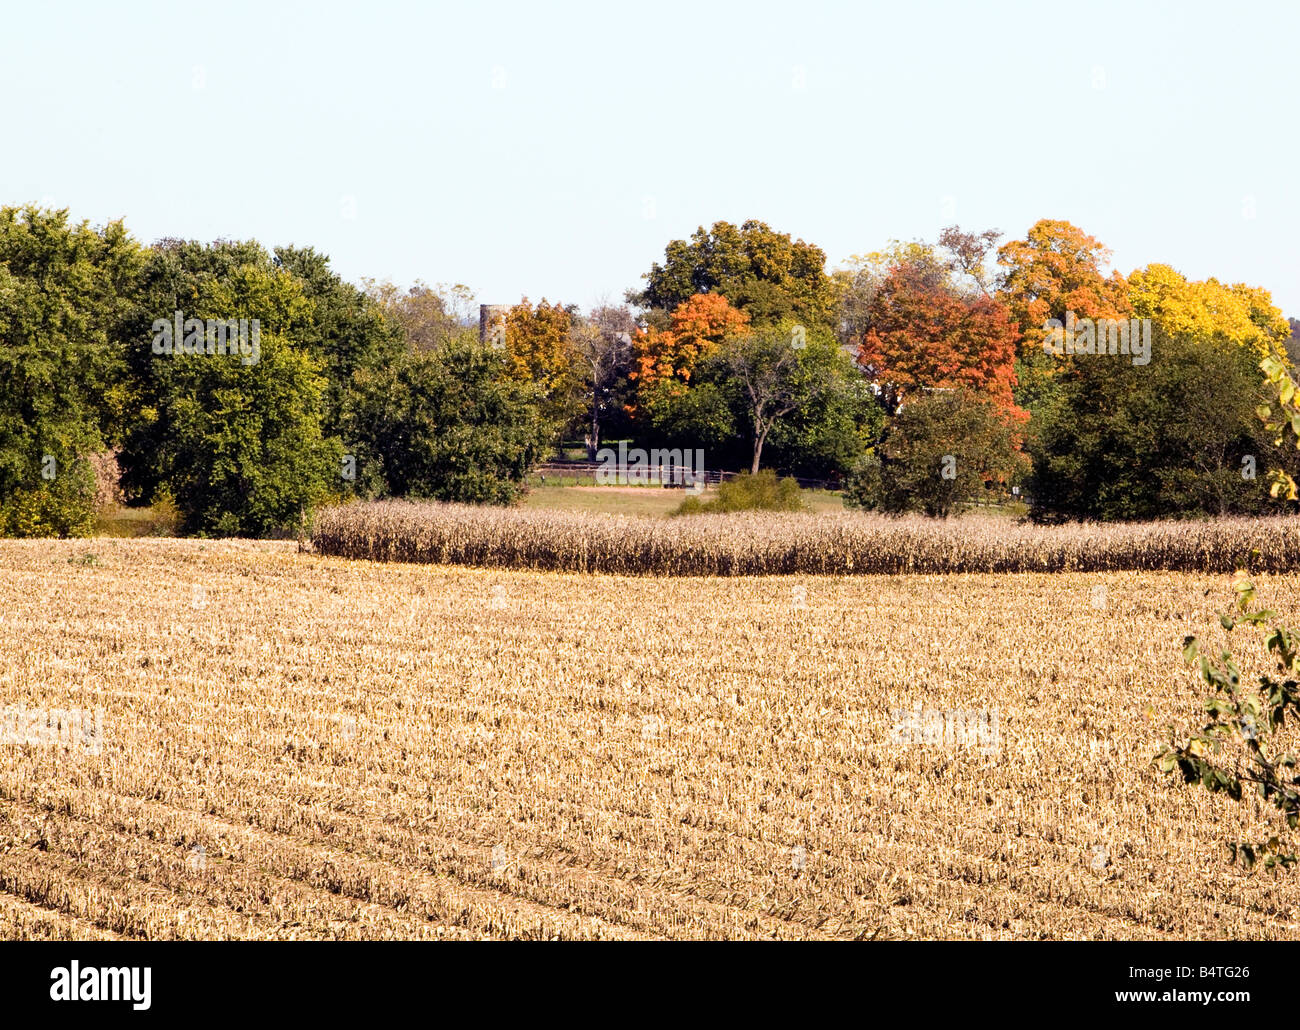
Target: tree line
922, 376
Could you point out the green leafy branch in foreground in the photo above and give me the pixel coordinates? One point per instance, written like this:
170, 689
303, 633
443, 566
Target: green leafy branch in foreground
1242, 746
1286, 416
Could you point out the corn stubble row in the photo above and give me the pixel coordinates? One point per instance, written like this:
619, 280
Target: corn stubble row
755, 544
308, 747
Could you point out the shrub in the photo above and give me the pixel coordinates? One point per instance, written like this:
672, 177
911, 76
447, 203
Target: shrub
761, 492
1247, 743
862, 488
64, 507
165, 517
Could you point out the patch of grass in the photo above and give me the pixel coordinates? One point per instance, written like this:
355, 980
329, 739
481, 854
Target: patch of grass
822, 500
116, 520
639, 500
612, 500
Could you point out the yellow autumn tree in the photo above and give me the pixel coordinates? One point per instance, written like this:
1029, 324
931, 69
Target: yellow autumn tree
539, 350
1240, 313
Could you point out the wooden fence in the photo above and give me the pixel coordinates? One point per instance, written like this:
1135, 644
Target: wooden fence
676, 475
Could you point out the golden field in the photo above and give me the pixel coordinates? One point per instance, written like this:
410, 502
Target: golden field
303, 746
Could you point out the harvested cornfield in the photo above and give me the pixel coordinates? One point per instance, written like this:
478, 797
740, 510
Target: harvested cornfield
296, 746
767, 543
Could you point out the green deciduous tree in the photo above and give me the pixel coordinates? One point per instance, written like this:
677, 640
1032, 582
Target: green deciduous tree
236, 442
65, 294
787, 392
449, 424
765, 273
799, 390
346, 330
245, 447
837, 418
941, 450
763, 369
1174, 438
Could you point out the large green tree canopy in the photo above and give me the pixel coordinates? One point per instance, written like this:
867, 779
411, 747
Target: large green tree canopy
64, 312
235, 439
1177, 437
448, 424
767, 274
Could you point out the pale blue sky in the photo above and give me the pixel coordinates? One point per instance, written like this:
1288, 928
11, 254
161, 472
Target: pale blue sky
554, 149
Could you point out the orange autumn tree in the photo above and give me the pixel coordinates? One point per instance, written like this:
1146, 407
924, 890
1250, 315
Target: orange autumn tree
926, 333
666, 359
1058, 268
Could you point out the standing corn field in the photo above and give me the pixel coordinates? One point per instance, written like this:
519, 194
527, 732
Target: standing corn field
741, 544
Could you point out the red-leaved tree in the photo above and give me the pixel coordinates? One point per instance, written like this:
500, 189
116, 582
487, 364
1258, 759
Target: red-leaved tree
924, 333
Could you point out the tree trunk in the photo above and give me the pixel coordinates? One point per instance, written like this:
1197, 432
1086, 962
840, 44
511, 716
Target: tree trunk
593, 441
758, 451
